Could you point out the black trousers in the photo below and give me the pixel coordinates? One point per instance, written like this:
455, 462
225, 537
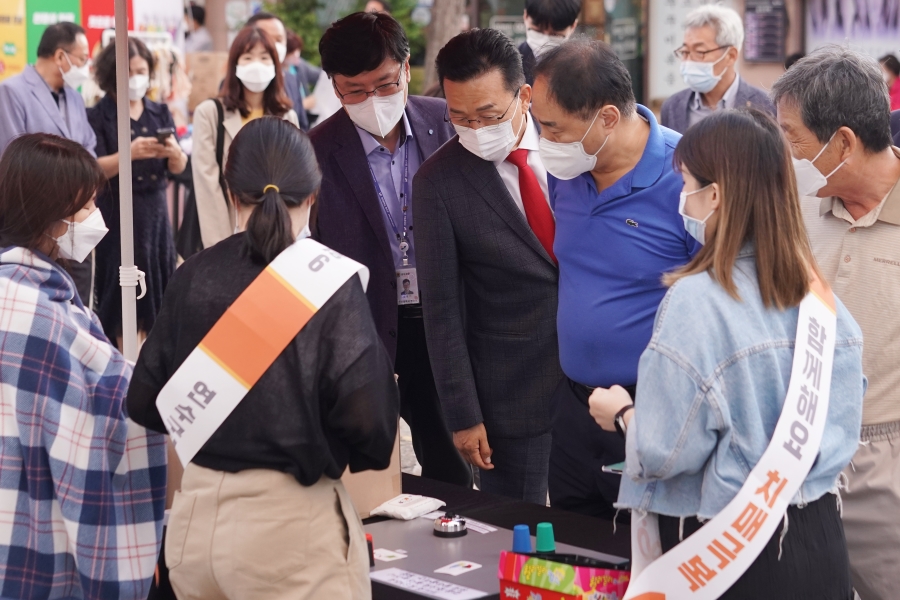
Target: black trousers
420, 406
813, 564
580, 449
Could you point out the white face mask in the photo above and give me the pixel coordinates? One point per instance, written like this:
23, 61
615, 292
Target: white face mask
695, 227
80, 238
378, 114
699, 76
809, 179
281, 48
568, 161
76, 76
491, 143
541, 42
256, 76
137, 86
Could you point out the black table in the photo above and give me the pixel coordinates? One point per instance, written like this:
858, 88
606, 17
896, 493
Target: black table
569, 528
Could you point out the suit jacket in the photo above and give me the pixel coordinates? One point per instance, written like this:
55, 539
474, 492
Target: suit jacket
26, 106
528, 62
216, 216
490, 298
895, 127
292, 85
348, 213
675, 109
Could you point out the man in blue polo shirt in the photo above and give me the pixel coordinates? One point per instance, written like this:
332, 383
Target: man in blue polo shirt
615, 195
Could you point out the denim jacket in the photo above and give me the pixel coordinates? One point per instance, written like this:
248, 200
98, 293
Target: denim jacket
711, 385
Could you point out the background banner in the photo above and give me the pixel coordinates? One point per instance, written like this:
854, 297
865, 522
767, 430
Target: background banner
13, 49
22, 23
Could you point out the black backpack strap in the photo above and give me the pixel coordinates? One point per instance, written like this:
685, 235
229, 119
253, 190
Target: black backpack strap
220, 149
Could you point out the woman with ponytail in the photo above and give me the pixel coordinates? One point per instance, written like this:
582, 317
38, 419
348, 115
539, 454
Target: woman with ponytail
262, 512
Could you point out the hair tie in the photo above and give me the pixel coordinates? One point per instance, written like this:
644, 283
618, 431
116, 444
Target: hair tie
273, 186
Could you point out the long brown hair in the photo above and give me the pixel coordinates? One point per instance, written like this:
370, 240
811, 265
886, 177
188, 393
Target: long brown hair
275, 101
744, 152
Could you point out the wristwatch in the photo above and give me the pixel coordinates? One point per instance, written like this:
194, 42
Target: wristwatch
619, 420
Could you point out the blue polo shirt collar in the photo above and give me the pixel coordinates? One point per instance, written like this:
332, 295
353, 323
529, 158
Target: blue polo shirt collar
653, 161
647, 171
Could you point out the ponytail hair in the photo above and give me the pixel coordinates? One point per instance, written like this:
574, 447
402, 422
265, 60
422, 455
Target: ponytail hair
271, 166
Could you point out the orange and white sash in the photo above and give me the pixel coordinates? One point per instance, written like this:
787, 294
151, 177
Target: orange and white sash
710, 561
247, 339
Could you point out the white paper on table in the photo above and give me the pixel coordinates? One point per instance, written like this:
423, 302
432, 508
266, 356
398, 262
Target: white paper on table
426, 586
386, 555
458, 568
479, 526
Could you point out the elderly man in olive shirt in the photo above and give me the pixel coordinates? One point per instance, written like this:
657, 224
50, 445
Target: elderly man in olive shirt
834, 110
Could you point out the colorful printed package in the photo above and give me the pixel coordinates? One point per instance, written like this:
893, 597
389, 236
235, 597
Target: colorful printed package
524, 577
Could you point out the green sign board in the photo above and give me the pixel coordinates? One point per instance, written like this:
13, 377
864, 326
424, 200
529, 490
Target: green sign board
41, 13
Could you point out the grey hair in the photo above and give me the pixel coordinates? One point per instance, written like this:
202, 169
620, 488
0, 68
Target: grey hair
836, 87
726, 22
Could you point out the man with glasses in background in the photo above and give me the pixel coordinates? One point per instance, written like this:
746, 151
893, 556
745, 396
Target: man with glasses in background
44, 98
713, 38
485, 226
369, 153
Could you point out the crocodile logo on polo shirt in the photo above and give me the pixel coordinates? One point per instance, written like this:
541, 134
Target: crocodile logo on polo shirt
631, 222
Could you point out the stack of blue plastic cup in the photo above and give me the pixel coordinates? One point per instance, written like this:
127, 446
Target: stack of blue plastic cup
522, 539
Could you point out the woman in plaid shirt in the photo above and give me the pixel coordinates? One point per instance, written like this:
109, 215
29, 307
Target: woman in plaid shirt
82, 488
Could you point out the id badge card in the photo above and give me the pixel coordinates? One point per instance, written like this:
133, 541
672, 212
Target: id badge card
407, 286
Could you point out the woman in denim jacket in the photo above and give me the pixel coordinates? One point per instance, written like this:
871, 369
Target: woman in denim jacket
712, 381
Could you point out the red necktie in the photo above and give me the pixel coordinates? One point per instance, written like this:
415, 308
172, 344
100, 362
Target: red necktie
537, 211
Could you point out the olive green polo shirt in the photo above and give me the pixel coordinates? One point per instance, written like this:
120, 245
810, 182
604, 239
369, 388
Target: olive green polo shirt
860, 258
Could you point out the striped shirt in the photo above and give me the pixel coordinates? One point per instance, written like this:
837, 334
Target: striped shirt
860, 258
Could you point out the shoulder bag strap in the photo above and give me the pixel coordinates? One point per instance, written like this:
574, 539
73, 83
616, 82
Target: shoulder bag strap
220, 149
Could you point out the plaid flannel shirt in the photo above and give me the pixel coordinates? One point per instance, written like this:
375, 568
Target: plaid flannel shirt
82, 488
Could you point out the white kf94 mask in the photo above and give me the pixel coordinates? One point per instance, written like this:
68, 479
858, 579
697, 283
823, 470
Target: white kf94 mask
80, 238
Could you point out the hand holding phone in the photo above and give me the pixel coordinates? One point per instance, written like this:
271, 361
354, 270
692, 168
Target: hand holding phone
163, 133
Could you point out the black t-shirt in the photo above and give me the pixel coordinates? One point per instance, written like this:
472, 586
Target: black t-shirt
327, 401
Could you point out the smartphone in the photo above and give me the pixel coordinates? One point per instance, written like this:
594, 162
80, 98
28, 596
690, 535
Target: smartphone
163, 133
616, 468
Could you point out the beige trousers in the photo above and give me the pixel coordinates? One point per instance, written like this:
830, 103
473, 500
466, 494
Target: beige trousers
871, 513
260, 535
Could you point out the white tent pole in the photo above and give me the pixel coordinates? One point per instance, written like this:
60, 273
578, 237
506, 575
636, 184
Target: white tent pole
126, 223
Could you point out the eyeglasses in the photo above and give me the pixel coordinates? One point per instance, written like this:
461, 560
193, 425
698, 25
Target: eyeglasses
388, 89
482, 121
82, 60
683, 53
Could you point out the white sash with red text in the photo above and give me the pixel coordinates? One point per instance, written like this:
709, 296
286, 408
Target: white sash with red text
710, 561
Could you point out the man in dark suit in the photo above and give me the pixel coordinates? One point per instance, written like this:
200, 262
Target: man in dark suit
369, 153
487, 270
713, 37
548, 23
